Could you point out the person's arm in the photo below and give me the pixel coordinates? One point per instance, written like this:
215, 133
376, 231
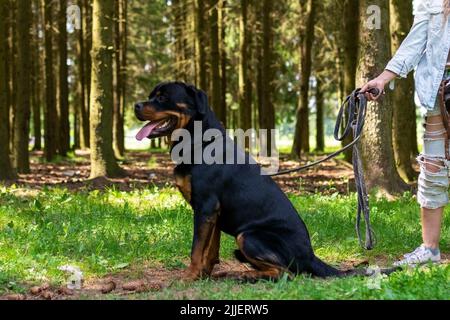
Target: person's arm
407, 56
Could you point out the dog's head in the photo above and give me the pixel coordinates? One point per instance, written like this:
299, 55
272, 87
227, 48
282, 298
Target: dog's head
170, 106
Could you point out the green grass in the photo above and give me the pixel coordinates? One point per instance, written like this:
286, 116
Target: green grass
107, 232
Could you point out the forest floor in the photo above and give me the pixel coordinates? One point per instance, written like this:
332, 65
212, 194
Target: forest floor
155, 168
131, 237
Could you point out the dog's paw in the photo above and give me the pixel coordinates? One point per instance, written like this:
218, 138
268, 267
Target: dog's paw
191, 274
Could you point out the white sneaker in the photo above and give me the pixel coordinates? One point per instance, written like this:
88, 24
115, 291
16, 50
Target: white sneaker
419, 256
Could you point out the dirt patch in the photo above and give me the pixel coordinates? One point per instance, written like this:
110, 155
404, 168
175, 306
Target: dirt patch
144, 169
125, 283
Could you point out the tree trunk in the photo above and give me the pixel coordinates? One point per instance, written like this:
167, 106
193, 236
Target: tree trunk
103, 162
64, 125
376, 144
267, 116
6, 170
215, 62
320, 134
404, 127
86, 67
200, 44
50, 137
350, 45
12, 24
301, 136
37, 79
22, 115
120, 75
179, 25
245, 105
223, 58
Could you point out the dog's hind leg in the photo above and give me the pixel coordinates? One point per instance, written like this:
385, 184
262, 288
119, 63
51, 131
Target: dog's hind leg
254, 250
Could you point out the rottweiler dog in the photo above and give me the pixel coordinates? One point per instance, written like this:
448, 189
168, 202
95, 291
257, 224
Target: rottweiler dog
231, 198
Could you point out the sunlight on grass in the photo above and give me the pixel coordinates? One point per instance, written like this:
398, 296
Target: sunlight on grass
103, 232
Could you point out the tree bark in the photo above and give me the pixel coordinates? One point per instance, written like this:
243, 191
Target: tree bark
216, 81
37, 62
301, 136
22, 115
12, 25
404, 127
103, 162
85, 66
223, 59
64, 124
267, 114
320, 134
245, 105
376, 144
6, 170
350, 36
200, 44
50, 137
120, 75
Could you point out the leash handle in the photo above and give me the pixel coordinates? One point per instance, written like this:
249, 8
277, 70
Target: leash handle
375, 91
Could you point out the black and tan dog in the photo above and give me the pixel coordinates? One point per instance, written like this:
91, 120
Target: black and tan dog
231, 198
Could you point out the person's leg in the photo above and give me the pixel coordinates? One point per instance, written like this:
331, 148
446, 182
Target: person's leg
432, 193
431, 226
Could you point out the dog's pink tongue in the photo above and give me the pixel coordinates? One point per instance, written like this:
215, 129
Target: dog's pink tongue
146, 131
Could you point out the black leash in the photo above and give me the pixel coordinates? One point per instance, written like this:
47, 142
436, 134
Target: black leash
354, 107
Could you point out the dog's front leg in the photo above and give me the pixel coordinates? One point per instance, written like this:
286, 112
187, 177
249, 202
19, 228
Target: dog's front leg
205, 246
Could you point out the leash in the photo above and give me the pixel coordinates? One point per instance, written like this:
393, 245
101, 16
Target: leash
354, 107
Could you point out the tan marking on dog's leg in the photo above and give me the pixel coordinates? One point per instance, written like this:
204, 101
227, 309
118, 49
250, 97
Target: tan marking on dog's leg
184, 185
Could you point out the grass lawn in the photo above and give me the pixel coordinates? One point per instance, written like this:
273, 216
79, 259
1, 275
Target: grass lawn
112, 232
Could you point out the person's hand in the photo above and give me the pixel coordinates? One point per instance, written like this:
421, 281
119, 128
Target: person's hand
375, 83
378, 83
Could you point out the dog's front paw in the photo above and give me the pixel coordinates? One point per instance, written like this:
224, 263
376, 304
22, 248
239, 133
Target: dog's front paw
191, 274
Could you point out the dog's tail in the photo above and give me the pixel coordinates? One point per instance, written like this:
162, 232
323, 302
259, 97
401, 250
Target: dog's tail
323, 270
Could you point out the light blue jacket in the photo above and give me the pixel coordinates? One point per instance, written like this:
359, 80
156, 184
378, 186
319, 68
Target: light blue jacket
427, 48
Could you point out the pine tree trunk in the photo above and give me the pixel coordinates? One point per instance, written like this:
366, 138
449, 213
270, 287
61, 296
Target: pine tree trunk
245, 105
12, 73
223, 59
200, 44
64, 125
50, 137
120, 75
350, 56
6, 170
301, 136
258, 58
103, 162
86, 46
216, 82
37, 81
404, 126
320, 134
376, 144
179, 25
267, 116
22, 115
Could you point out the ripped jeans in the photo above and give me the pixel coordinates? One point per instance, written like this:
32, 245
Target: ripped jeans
434, 168
433, 181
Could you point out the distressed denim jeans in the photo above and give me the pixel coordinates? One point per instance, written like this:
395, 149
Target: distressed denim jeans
434, 167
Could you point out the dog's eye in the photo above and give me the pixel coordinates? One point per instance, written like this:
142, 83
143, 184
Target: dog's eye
161, 98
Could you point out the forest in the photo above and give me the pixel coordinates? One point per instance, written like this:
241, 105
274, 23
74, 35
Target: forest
71, 72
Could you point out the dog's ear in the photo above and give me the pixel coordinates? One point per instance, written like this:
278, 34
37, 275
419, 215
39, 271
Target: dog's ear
200, 99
